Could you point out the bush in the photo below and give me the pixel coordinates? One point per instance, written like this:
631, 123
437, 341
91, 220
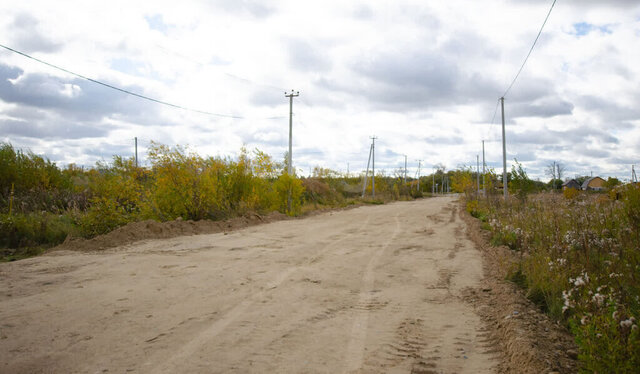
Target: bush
570, 193
33, 229
289, 187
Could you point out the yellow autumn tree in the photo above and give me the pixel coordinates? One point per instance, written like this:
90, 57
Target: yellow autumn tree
185, 184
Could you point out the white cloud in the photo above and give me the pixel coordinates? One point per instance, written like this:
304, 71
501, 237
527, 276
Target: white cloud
422, 76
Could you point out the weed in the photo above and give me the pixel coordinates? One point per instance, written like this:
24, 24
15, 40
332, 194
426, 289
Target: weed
580, 260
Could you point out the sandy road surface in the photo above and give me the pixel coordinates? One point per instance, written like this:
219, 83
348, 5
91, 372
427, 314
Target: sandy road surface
371, 289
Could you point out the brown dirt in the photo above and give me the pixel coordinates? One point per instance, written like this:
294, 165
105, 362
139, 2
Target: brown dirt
374, 289
150, 229
391, 288
529, 340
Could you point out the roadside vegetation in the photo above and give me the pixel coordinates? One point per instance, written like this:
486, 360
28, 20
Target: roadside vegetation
42, 204
579, 260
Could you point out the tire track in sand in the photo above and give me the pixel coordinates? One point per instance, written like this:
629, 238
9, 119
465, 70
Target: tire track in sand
355, 349
190, 348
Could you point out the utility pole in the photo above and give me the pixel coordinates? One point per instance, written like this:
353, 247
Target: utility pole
405, 169
634, 177
136, 143
419, 164
347, 170
504, 155
373, 166
366, 173
478, 176
290, 96
433, 183
484, 186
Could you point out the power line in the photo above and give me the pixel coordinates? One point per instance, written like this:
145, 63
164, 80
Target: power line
495, 111
530, 50
120, 89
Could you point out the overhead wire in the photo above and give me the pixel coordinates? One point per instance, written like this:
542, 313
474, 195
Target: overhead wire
162, 102
530, 50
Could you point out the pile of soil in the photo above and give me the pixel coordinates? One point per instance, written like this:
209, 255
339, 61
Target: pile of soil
151, 229
530, 342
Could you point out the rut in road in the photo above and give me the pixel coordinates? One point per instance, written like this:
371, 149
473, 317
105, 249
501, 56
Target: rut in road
174, 361
373, 289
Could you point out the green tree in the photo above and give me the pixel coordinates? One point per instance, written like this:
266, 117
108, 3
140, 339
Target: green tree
520, 184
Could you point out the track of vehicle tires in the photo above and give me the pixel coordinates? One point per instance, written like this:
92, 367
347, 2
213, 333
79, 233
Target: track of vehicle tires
370, 289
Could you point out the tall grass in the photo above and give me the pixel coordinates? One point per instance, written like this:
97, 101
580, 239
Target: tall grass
40, 204
580, 261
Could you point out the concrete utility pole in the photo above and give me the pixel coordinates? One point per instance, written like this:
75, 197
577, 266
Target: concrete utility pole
419, 164
504, 155
405, 169
291, 96
373, 166
136, 143
478, 176
366, 173
634, 178
484, 186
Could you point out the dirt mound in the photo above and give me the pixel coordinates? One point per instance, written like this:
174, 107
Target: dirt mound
529, 340
151, 229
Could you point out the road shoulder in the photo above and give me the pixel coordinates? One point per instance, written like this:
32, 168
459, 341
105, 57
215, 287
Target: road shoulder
530, 342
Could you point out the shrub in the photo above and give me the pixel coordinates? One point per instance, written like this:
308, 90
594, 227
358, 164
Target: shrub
570, 193
288, 187
33, 229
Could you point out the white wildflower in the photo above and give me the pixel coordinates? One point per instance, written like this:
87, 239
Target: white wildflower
626, 323
561, 261
598, 298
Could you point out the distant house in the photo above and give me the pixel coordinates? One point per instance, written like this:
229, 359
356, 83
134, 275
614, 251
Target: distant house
571, 184
594, 184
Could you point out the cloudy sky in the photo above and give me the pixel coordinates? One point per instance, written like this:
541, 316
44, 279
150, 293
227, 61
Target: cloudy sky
422, 76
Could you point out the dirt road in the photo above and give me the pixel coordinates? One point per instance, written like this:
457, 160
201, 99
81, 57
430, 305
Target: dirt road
371, 289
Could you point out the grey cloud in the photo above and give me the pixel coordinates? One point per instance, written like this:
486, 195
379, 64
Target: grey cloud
50, 130
414, 80
575, 138
449, 140
28, 38
267, 97
545, 108
76, 99
625, 160
49, 107
107, 151
524, 156
610, 112
594, 152
556, 148
305, 57
269, 138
